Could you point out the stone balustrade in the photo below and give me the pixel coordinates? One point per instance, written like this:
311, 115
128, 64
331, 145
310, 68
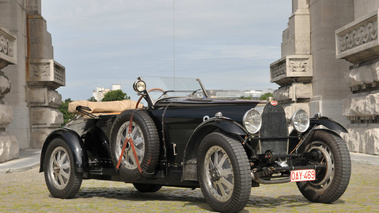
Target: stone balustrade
46, 72
358, 40
290, 68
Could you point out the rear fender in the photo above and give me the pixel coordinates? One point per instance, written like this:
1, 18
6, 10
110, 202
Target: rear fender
190, 153
76, 145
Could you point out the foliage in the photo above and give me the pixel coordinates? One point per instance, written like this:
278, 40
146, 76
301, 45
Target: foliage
246, 98
115, 95
64, 110
264, 96
92, 99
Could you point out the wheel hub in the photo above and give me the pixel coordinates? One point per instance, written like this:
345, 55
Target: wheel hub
215, 174
57, 168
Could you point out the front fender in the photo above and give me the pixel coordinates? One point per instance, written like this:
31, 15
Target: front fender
76, 145
328, 123
190, 153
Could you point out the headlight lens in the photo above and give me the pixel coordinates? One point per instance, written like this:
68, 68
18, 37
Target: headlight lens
139, 86
300, 120
252, 121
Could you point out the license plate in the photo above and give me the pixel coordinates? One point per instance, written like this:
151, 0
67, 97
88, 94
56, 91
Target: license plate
303, 175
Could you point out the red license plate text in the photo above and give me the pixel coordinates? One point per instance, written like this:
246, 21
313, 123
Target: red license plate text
303, 175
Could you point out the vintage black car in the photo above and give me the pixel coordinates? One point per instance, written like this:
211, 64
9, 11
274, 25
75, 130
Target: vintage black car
184, 138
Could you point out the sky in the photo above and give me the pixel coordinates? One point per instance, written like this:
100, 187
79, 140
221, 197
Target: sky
228, 44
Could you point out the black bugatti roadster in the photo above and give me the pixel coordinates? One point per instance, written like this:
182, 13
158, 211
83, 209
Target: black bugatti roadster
182, 137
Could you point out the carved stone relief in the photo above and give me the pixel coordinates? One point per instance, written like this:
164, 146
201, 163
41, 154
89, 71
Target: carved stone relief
363, 139
291, 67
362, 106
293, 92
298, 65
46, 72
6, 45
359, 34
363, 77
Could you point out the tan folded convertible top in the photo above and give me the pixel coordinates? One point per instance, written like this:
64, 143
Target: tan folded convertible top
112, 107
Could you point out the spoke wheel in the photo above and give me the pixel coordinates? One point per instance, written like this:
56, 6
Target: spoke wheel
59, 167
60, 177
223, 173
331, 181
324, 176
219, 173
138, 141
144, 136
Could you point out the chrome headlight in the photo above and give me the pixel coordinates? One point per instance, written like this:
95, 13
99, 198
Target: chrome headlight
300, 120
252, 121
139, 86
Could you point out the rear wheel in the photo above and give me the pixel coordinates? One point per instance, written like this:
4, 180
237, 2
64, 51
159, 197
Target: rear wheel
332, 181
223, 173
60, 177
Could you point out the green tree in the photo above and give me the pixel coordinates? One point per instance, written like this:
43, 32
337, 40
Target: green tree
92, 99
115, 95
264, 96
64, 110
246, 98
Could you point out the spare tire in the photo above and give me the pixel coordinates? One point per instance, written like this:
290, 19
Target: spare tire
145, 138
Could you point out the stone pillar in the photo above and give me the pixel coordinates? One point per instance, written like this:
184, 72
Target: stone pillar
44, 76
328, 84
294, 71
8, 143
358, 43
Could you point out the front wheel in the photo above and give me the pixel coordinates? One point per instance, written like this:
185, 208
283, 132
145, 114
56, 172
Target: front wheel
332, 181
223, 173
60, 177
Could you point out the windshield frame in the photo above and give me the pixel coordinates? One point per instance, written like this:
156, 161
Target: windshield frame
175, 85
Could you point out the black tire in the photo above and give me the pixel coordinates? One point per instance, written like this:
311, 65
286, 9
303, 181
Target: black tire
146, 141
60, 176
231, 174
331, 182
147, 187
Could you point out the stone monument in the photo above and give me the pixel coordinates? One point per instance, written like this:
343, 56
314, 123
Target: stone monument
330, 64
31, 83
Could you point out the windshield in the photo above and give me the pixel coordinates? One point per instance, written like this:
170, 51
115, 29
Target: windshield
166, 87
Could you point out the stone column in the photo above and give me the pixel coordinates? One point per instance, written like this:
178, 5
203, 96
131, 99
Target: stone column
9, 148
44, 76
358, 43
294, 71
328, 84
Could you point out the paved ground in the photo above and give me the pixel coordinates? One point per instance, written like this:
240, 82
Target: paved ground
26, 191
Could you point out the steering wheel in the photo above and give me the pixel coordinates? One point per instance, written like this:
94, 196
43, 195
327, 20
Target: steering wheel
153, 89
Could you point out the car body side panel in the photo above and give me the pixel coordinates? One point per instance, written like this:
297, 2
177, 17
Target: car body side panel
180, 119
